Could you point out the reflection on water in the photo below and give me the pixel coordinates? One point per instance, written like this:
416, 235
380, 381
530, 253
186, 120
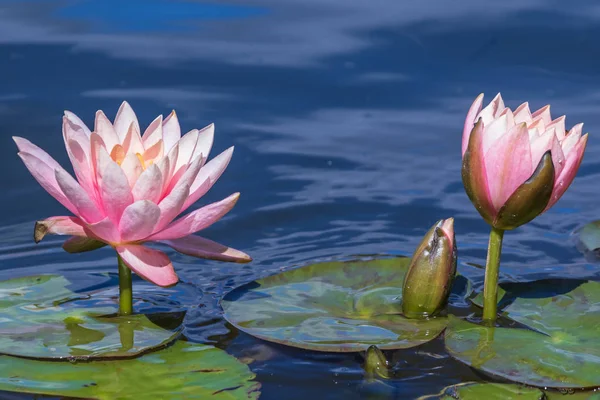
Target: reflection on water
346, 117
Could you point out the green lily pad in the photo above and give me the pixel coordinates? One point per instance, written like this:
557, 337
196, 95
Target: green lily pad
331, 306
487, 391
41, 318
525, 356
182, 371
560, 339
587, 239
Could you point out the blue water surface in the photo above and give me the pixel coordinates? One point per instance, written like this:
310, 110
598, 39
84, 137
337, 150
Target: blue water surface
346, 118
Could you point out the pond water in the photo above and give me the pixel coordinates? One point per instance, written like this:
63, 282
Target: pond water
346, 118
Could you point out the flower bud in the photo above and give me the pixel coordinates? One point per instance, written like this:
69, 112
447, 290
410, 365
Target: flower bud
376, 365
431, 272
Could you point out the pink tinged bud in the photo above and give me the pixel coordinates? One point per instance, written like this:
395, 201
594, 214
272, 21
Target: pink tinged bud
517, 165
428, 282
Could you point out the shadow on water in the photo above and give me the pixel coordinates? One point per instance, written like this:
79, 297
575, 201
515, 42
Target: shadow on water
346, 117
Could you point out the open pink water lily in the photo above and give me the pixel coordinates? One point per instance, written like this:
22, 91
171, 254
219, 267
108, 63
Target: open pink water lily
129, 189
517, 165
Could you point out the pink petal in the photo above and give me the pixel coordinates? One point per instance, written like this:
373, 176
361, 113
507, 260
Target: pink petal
508, 164
206, 137
197, 220
170, 206
138, 220
475, 175
559, 126
132, 143
71, 226
571, 139
187, 145
148, 185
171, 131
152, 265
543, 114
106, 131
44, 175
523, 114
125, 117
448, 229
572, 163
172, 156
76, 133
207, 177
540, 145
96, 146
470, 121
132, 168
113, 187
164, 165
86, 208
82, 168
153, 134
105, 230
191, 172
577, 128
492, 110
154, 152
197, 246
26, 146
77, 123
497, 128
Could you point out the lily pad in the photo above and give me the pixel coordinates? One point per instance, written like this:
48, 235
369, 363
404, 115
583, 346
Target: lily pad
587, 240
525, 356
182, 371
487, 391
41, 318
332, 306
559, 345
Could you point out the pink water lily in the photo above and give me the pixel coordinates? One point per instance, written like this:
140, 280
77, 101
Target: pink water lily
517, 164
130, 187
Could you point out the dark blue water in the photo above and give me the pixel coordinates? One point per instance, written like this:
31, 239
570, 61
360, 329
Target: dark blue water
346, 117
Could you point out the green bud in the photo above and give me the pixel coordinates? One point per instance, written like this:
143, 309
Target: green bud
431, 272
376, 365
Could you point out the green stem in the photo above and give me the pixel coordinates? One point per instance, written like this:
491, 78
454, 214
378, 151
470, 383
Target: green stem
125, 289
492, 267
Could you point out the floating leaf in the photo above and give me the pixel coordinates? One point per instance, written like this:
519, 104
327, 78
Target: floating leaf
487, 391
182, 371
41, 318
587, 240
332, 306
559, 345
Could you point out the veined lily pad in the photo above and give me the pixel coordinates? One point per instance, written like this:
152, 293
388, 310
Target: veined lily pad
41, 318
331, 306
487, 391
182, 371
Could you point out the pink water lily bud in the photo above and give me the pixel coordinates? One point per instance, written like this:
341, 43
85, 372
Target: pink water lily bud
517, 164
428, 282
130, 186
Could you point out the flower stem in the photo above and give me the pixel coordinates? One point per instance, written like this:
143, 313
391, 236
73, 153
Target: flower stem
492, 267
125, 289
